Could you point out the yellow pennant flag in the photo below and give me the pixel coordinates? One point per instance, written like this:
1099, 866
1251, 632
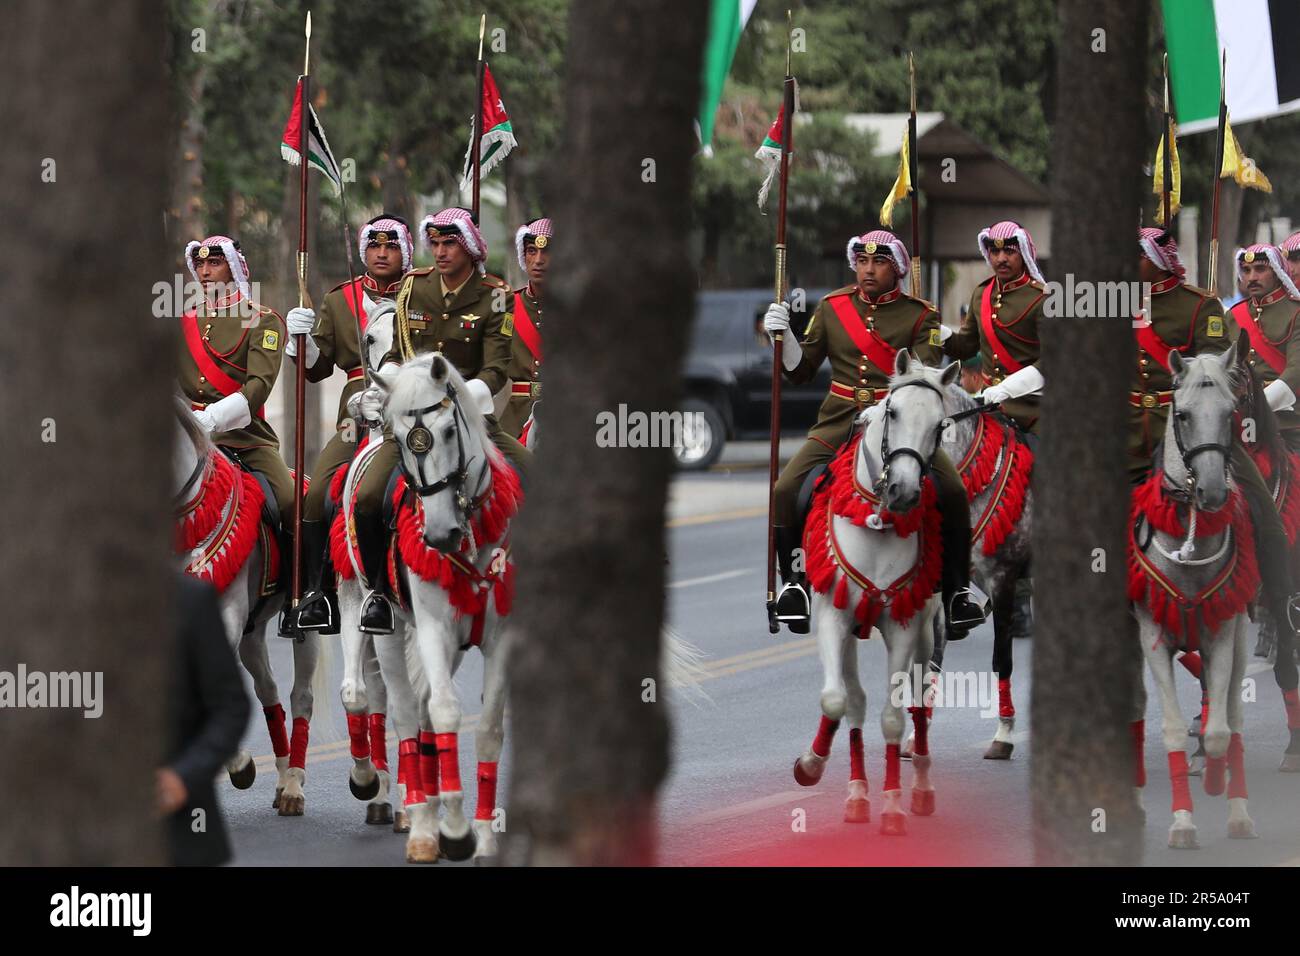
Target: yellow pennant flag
1176, 186
902, 186
1241, 167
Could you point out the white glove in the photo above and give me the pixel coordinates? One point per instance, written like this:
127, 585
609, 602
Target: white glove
480, 395
945, 333
369, 405
777, 319
230, 412
1027, 381
1279, 396
301, 322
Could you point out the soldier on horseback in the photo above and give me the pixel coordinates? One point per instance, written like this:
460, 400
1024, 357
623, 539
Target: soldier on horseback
458, 309
1290, 247
532, 246
860, 328
387, 250
228, 363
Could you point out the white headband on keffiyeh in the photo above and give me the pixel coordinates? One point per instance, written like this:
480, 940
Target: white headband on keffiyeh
540, 228
1163, 256
1011, 230
234, 258
388, 225
468, 235
1274, 256
874, 242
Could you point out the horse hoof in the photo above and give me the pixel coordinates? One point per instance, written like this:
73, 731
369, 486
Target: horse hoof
378, 814
243, 778
805, 777
364, 791
857, 810
999, 750
292, 806
275, 803
1215, 771
893, 824
922, 803
1242, 830
905, 751
1195, 765
1290, 763
401, 822
456, 849
422, 850
1183, 838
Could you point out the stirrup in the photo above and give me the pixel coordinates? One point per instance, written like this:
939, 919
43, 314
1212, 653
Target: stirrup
1293, 613
965, 611
310, 620
793, 608
376, 603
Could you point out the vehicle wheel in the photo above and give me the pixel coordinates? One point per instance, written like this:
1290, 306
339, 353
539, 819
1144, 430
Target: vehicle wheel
702, 438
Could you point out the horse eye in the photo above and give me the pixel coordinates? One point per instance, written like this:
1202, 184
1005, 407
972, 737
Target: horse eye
449, 432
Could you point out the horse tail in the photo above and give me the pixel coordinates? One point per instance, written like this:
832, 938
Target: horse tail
682, 665
325, 698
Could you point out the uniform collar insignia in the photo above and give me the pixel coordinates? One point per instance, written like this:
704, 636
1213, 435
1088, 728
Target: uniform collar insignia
1165, 284
1277, 295
1016, 283
368, 282
884, 298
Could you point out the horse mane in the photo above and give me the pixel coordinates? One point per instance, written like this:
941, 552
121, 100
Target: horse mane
415, 379
1201, 368
1256, 407
202, 443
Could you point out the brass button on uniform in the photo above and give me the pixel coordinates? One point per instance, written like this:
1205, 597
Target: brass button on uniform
1148, 400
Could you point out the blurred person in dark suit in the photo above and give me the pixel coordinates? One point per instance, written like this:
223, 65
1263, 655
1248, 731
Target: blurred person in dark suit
208, 711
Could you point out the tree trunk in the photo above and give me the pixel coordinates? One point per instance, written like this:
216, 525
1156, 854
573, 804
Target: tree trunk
589, 725
1086, 656
85, 570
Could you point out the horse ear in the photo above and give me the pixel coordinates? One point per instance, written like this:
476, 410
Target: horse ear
951, 374
438, 369
384, 384
1239, 351
902, 362
1177, 366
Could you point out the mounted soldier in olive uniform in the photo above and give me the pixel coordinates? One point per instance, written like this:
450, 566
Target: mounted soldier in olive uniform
532, 246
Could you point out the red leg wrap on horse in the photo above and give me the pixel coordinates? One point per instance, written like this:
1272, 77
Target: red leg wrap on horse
857, 761
1216, 769
298, 744
921, 726
821, 745
449, 762
1005, 706
1192, 661
408, 770
275, 724
487, 790
1182, 793
1236, 767
1292, 700
1205, 711
1139, 731
891, 767
359, 734
378, 742
429, 762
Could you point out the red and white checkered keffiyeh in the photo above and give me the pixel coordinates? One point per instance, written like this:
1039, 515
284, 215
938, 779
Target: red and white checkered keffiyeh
884, 241
1025, 242
467, 234
234, 258
393, 227
1291, 244
1165, 256
1276, 259
538, 227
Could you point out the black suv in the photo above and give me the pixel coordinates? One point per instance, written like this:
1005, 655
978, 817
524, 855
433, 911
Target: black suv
727, 375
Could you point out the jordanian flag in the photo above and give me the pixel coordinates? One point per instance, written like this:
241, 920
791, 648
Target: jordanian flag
727, 19
319, 156
498, 137
1262, 39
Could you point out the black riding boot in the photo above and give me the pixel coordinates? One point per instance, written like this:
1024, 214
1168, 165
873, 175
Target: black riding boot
793, 607
960, 609
319, 608
289, 616
372, 540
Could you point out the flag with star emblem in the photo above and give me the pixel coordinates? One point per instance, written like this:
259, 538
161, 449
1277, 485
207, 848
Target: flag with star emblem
498, 137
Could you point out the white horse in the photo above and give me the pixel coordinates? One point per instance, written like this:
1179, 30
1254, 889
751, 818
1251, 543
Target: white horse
874, 560
204, 491
1194, 526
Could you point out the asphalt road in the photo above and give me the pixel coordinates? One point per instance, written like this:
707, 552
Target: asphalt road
731, 798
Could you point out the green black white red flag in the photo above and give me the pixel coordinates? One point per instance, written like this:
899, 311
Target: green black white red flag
498, 137
319, 156
769, 154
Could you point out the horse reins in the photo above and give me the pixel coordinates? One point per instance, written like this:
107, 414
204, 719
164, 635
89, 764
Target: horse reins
888, 454
419, 441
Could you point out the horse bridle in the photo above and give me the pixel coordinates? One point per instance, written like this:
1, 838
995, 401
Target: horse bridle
1187, 454
419, 441
888, 454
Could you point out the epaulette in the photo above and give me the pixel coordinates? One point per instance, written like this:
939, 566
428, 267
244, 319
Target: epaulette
984, 282
419, 272
264, 310
1038, 285
495, 282
1203, 293
846, 290
341, 285
919, 301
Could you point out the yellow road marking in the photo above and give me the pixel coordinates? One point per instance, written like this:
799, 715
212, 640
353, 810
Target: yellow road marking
717, 516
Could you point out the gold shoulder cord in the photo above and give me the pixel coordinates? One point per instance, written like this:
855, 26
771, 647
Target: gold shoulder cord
405, 349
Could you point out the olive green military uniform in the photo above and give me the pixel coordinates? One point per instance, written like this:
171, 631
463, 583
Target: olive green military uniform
525, 369
1190, 320
1276, 316
1016, 308
246, 341
473, 328
335, 335
902, 322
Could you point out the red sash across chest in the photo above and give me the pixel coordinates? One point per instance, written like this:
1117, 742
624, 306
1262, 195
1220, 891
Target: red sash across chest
526, 329
198, 350
352, 296
1154, 345
1258, 341
990, 332
880, 352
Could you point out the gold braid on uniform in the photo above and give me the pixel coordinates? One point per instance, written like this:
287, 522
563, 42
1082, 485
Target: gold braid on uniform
404, 347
